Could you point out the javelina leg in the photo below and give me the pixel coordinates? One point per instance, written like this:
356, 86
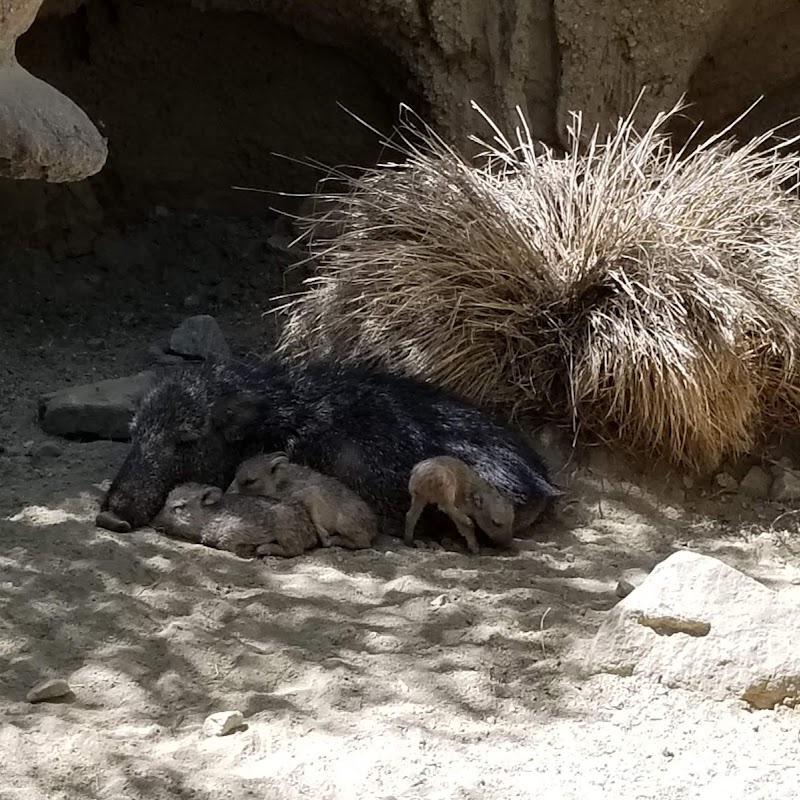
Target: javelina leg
465, 526
322, 533
412, 517
353, 543
272, 549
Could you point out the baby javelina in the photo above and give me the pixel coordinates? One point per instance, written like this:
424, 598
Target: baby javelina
246, 526
464, 496
339, 515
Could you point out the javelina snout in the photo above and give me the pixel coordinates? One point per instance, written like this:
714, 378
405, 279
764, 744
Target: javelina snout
111, 522
180, 432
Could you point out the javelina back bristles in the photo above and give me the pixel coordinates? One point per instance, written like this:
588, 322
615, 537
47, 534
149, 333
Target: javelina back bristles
246, 526
464, 496
339, 515
364, 427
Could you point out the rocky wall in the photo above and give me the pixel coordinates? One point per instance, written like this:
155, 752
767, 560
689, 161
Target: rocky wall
196, 96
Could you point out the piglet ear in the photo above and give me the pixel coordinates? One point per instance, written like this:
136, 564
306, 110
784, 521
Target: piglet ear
277, 463
235, 414
211, 496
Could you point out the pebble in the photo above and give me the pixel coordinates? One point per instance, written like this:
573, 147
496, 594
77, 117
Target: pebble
222, 722
624, 588
46, 450
756, 483
726, 481
48, 690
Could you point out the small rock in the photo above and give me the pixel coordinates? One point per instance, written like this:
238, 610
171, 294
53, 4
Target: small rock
786, 486
199, 337
48, 690
280, 241
780, 465
46, 450
440, 600
102, 409
726, 481
624, 588
756, 483
222, 722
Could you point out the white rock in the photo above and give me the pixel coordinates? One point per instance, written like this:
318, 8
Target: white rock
222, 722
48, 690
699, 624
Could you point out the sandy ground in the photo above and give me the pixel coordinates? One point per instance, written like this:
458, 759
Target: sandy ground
388, 673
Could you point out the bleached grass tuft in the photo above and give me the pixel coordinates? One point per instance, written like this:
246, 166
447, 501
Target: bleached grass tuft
647, 294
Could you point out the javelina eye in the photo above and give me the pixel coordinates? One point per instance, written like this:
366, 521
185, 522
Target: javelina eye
247, 481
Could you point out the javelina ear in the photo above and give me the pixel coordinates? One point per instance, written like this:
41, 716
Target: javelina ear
234, 414
477, 500
211, 496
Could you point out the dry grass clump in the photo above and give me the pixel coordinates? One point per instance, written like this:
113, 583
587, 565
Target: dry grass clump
649, 295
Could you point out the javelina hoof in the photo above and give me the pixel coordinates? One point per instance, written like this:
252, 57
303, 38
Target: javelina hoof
111, 522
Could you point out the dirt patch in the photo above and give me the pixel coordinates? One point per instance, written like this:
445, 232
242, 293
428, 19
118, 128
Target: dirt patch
389, 672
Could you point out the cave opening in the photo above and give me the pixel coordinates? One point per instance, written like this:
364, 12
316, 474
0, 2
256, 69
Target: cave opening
194, 102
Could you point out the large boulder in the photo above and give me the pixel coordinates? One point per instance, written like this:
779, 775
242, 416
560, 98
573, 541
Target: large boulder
699, 624
43, 134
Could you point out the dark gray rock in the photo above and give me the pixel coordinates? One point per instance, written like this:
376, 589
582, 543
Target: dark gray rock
199, 337
786, 486
101, 410
756, 483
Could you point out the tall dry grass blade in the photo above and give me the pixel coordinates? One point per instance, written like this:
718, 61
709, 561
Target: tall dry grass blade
646, 294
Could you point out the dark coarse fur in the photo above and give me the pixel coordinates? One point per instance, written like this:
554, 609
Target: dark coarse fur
363, 426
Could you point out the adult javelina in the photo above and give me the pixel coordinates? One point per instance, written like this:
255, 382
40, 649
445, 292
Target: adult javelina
363, 426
